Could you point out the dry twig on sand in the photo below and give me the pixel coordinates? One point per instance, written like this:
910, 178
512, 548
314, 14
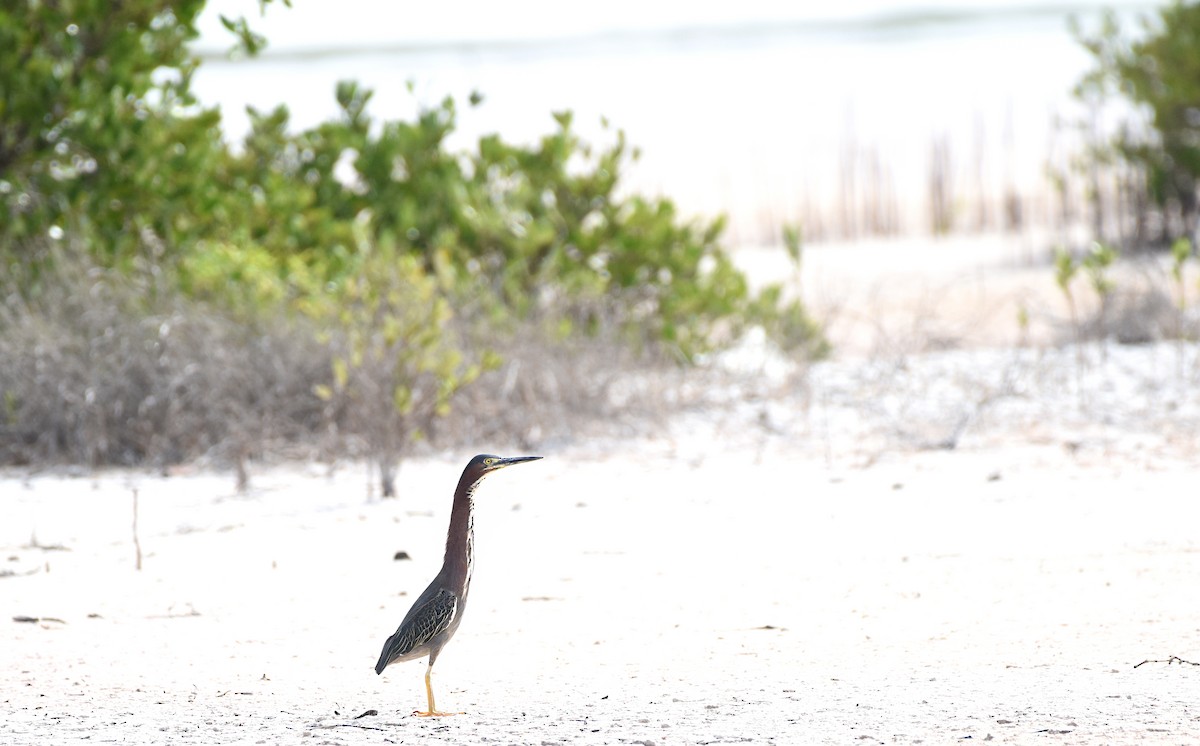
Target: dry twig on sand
1169, 661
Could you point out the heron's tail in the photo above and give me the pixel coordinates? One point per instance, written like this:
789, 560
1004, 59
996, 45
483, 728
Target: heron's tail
384, 657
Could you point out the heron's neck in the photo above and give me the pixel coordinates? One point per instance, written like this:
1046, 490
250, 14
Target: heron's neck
460, 540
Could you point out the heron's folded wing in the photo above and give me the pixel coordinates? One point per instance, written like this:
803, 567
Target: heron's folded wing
421, 625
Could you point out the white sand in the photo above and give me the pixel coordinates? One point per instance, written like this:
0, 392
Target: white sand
800, 564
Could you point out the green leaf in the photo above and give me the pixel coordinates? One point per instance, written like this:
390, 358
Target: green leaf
402, 399
1181, 251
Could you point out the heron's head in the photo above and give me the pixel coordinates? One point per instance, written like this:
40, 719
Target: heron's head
485, 464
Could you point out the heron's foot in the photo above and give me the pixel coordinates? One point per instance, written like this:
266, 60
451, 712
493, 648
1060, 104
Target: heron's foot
435, 714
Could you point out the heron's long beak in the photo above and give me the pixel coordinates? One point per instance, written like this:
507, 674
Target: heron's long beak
514, 460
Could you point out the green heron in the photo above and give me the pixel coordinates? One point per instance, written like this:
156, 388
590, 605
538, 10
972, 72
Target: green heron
435, 616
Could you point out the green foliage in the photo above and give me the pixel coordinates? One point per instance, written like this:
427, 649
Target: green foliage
788, 324
396, 352
367, 231
99, 133
1065, 268
793, 242
1181, 251
1160, 75
511, 230
1023, 320
246, 279
1096, 263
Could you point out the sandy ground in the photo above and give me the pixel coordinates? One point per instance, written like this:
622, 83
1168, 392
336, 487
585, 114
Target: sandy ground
976, 544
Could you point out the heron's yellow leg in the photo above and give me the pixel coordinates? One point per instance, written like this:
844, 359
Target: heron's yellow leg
432, 711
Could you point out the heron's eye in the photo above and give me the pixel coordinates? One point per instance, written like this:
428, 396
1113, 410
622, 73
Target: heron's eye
489, 461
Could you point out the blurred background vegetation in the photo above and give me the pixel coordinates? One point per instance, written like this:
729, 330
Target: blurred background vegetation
1141, 173
168, 296
355, 287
